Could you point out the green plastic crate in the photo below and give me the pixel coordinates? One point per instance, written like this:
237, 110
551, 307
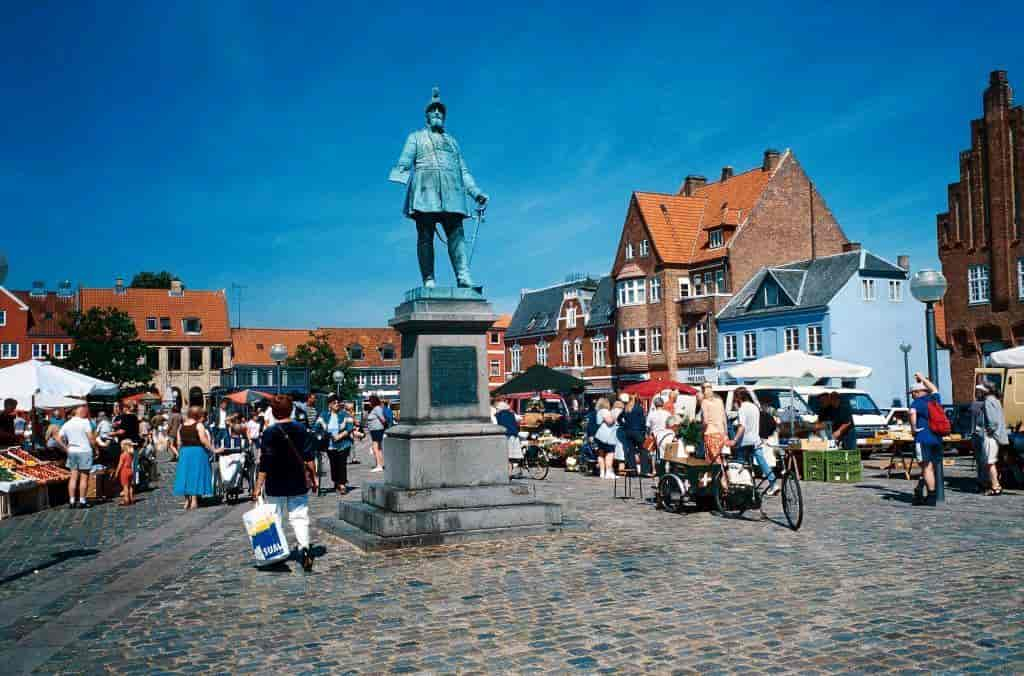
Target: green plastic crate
814, 461
844, 473
842, 456
814, 473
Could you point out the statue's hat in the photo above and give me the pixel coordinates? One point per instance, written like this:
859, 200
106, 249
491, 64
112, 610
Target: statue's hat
435, 102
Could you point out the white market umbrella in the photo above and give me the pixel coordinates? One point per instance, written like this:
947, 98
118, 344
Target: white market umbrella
43, 382
796, 364
1008, 359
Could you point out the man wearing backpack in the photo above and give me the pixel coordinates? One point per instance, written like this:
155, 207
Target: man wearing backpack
929, 423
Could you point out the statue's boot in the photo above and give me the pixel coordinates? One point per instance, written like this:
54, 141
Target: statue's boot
459, 257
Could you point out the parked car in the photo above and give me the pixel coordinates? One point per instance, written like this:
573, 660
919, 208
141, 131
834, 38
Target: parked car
868, 420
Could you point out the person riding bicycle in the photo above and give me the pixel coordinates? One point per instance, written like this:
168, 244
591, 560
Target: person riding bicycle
747, 441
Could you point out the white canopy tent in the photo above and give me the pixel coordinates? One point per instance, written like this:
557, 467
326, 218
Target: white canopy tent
795, 365
1008, 359
40, 383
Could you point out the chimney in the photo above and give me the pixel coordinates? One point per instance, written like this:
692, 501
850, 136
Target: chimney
726, 173
851, 246
771, 160
119, 285
692, 184
176, 287
903, 262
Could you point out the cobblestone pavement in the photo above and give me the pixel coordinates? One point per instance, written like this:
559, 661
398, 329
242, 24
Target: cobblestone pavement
869, 584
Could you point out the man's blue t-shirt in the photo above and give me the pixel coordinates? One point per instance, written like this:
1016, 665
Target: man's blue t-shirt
389, 415
923, 433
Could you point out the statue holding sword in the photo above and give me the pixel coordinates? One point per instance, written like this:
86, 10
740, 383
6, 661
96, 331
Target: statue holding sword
441, 192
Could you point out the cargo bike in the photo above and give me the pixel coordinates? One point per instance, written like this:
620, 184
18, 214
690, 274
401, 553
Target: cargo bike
731, 489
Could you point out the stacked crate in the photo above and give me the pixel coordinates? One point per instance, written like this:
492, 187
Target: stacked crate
833, 466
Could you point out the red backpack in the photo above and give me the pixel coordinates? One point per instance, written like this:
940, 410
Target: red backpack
937, 420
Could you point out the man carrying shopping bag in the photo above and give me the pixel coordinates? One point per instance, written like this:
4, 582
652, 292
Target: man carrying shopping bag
287, 473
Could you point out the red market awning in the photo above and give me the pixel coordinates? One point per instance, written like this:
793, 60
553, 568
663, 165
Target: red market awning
646, 389
244, 397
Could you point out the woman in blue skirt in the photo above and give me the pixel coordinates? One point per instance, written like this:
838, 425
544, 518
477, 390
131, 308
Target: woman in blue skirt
194, 478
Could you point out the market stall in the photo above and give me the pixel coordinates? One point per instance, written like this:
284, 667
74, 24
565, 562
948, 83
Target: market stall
817, 455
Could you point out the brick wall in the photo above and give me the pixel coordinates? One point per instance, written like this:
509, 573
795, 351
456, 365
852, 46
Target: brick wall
778, 230
983, 225
15, 329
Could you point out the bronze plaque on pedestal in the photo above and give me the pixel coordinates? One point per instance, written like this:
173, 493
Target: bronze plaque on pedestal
453, 376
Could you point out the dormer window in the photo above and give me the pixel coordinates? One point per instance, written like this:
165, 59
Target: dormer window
645, 247
771, 295
355, 352
192, 326
716, 239
38, 290
387, 351
629, 251
165, 323
570, 318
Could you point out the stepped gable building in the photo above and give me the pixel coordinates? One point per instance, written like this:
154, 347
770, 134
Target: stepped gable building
681, 255
187, 332
980, 236
565, 326
31, 323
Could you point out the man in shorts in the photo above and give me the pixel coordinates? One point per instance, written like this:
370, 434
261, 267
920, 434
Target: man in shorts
79, 442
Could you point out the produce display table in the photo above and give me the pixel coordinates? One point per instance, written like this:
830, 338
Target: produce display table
21, 496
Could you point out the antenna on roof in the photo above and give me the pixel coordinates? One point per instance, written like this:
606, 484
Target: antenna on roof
237, 288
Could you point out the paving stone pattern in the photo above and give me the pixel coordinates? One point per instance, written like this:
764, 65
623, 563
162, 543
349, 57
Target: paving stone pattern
869, 584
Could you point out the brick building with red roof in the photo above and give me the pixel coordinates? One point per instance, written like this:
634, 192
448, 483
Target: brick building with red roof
31, 323
187, 332
496, 351
681, 255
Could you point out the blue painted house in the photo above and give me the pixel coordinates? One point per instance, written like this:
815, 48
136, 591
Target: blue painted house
853, 306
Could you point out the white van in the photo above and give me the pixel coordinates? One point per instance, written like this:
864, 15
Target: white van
868, 419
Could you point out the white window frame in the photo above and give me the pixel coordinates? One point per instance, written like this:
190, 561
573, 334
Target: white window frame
791, 338
393, 378
577, 353
895, 291
719, 277
978, 291
570, 318
184, 326
600, 347
632, 342
716, 239
683, 284
3, 317
565, 352
655, 339
867, 290
815, 339
494, 368
61, 350
699, 289
40, 350
632, 292
629, 251
515, 354
542, 353
7, 353
729, 347
645, 248
655, 290
151, 323
684, 338
701, 336
750, 345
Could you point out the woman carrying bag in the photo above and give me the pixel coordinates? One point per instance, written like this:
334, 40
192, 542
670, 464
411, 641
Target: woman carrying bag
287, 472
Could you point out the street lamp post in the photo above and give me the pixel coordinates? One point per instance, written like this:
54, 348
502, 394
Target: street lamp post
905, 349
929, 286
278, 353
338, 377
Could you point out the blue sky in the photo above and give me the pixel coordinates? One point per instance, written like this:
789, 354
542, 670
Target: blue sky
248, 142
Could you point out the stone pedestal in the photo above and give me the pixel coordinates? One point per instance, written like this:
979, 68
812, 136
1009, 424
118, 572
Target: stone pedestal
446, 477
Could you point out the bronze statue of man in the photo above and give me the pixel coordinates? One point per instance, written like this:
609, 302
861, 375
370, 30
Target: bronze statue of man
439, 192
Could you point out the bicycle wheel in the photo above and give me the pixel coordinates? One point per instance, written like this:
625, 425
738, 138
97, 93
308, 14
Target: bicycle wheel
792, 500
672, 494
730, 500
537, 466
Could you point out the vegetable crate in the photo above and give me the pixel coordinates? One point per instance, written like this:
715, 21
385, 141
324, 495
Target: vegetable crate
841, 466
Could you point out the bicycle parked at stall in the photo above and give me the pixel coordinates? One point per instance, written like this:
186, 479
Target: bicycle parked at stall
740, 487
535, 461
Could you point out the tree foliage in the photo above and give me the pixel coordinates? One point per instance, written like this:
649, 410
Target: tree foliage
106, 346
152, 280
322, 361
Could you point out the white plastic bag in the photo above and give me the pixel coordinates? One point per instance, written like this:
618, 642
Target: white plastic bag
263, 524
739, 475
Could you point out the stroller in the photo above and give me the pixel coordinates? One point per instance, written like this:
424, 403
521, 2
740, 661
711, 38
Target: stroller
587, 462
145, 465
233, 477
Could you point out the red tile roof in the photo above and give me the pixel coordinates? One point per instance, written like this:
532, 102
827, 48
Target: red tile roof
252, 346
502, 322
679, 224
210, 307
370, 339
47, 313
